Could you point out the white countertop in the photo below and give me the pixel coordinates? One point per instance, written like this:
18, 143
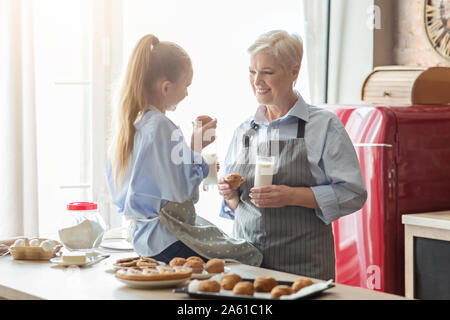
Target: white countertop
44, 280
439, 220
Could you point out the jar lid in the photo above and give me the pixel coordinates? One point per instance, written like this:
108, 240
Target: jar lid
78, 206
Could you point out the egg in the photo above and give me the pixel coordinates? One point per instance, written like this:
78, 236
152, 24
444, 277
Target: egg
48, 245
19, 243
35, 242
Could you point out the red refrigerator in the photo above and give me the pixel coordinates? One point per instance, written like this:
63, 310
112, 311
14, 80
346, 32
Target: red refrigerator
404, 153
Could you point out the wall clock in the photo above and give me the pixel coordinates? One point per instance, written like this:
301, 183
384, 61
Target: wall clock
437, 25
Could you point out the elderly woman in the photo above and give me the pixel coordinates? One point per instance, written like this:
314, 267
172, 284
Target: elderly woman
318, 177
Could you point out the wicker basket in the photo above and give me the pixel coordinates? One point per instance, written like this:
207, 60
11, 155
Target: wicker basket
34, 253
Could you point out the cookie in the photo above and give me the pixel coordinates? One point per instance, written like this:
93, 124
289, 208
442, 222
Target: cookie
154, 274
127, 262
136, 262
143, 264
147, 259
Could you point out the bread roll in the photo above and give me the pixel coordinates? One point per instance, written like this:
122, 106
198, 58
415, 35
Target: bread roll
301, 283
281, 290
195, 265
209, 286
177, 262
215, 266
229, 281
244, 288
264, 284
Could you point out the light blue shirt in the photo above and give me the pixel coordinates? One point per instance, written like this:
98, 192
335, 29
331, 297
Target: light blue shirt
162, 168
339, 188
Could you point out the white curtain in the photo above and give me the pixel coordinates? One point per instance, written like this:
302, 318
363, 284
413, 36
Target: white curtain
18, 160
315, 36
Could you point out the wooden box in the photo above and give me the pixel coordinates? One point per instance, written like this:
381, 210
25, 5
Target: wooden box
398, 85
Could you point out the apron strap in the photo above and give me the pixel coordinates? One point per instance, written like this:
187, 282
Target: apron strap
301, 128
254, 127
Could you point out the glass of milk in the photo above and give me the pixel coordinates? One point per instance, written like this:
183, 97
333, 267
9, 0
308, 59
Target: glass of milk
265, 169
211, 179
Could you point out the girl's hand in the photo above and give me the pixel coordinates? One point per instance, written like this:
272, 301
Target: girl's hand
271, 196
204, 133
226, 191
230, 195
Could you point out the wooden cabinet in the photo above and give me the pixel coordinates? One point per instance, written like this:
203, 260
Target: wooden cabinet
398, 85
427, 255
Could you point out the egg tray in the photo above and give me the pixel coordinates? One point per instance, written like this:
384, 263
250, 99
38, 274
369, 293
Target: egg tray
34, 253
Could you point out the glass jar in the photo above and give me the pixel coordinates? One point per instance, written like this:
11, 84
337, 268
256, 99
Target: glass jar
82, 227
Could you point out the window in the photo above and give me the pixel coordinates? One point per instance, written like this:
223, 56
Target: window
216, 34
72, 66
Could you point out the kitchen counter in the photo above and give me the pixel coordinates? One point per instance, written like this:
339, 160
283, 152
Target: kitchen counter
43, 280
427, 240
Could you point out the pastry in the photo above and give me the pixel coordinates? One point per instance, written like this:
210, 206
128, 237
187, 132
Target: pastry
154, 274
177, 262
264, 284
234, 180
300, 283
244, 288
215, 266
209, 286
195, 258
281, 290
195, 265
228, 281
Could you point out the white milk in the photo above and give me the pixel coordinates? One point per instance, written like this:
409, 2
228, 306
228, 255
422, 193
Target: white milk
264, 171
211, 159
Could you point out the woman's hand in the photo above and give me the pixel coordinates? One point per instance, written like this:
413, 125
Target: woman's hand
230, 195
271, 196
204, 133
282, 196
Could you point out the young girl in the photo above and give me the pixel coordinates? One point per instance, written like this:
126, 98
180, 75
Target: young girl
153, 175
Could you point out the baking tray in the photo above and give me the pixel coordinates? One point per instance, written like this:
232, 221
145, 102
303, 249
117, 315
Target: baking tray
309, 292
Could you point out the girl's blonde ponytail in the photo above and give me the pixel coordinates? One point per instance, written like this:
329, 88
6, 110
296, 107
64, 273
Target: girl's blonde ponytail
149, 61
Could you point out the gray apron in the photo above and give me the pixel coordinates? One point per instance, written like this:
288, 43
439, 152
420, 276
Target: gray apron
291, 239
204, 237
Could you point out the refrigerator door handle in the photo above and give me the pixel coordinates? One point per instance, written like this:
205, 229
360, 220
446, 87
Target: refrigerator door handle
373, 145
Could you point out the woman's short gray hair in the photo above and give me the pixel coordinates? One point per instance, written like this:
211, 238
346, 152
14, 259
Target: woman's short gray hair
287, 48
